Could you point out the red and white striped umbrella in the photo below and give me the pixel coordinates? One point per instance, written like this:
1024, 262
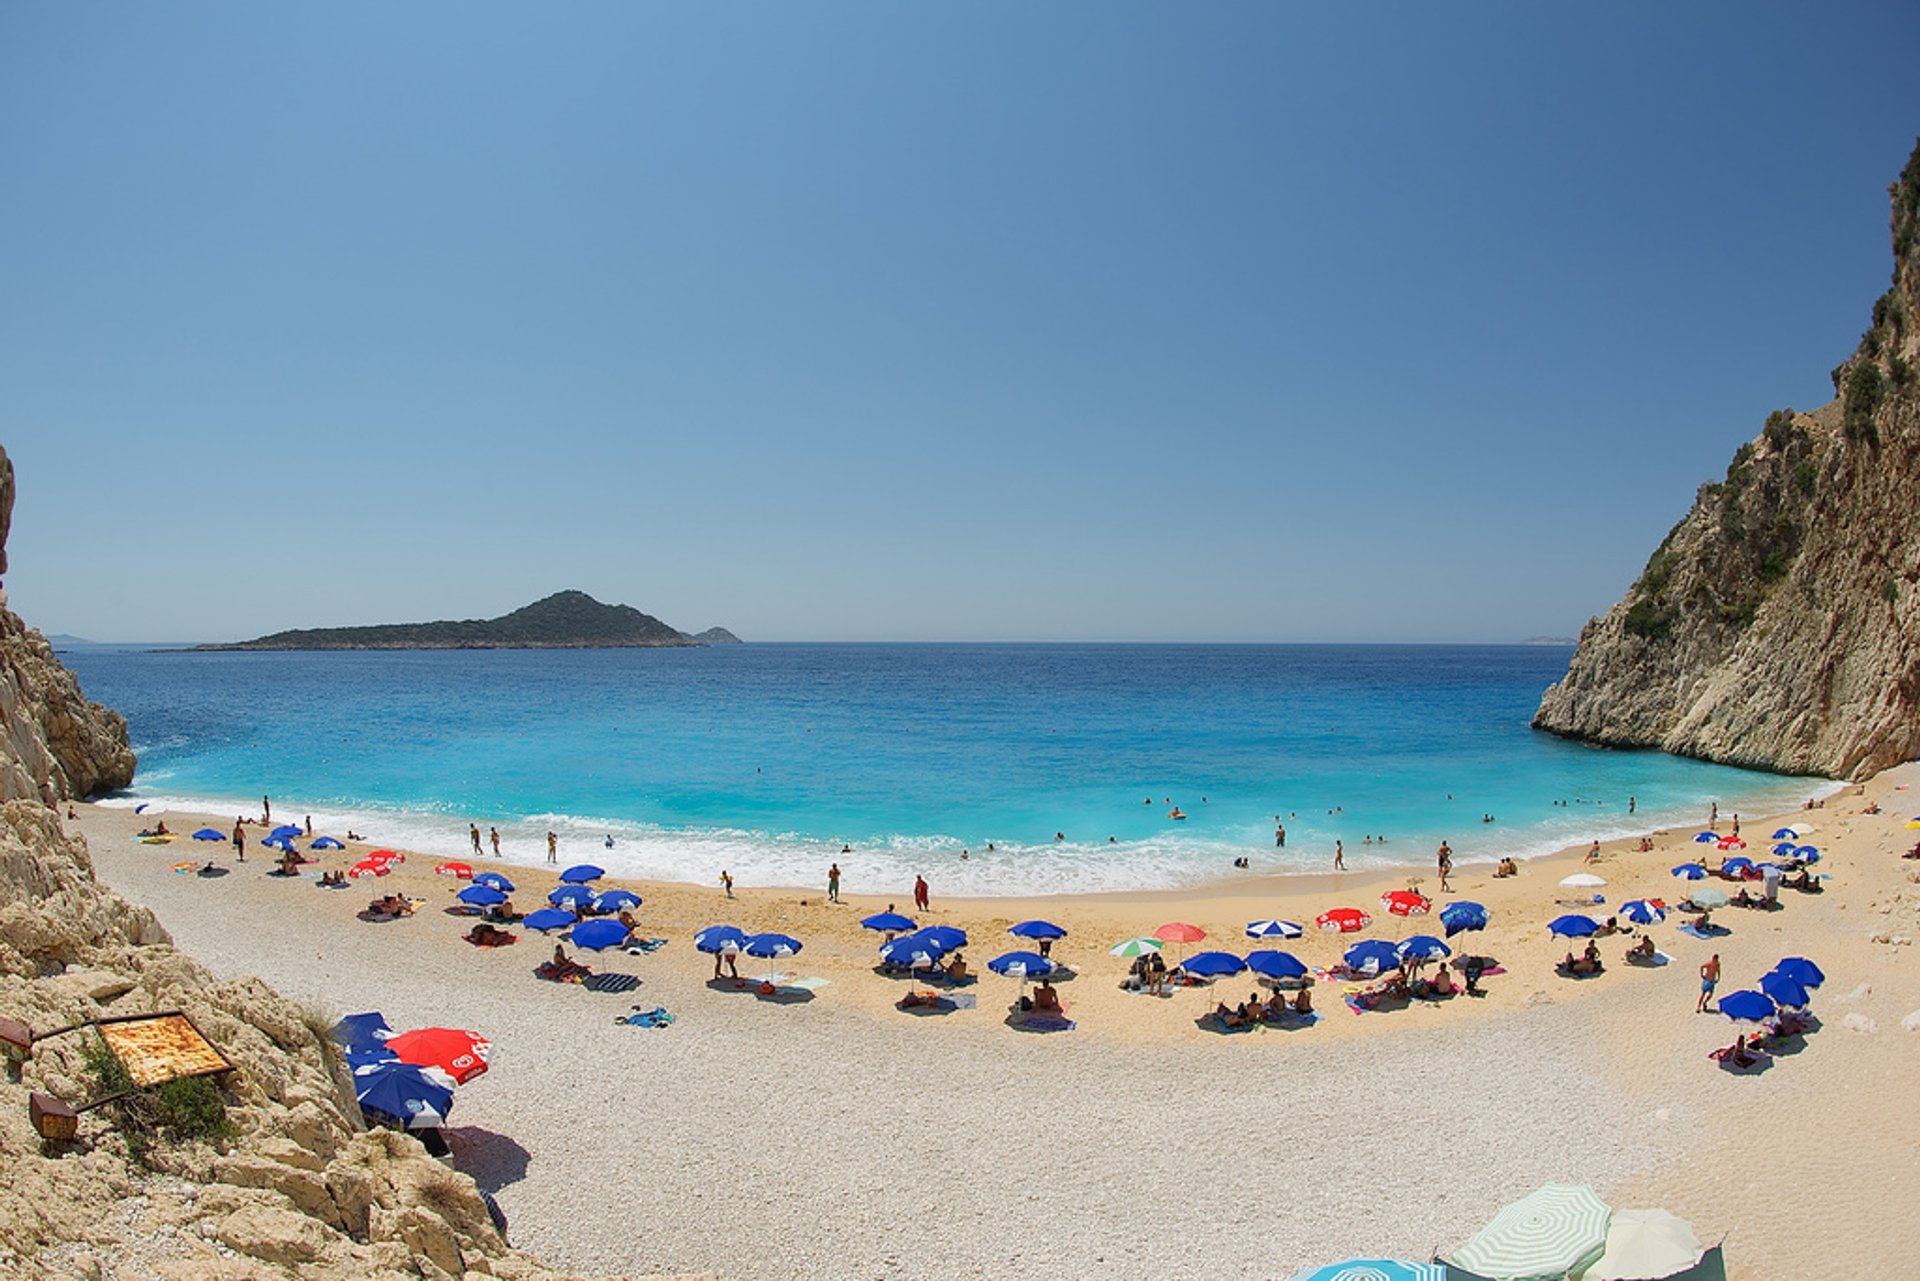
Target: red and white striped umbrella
1406, 903
463, 871
386, 856
367, 867
1343, 920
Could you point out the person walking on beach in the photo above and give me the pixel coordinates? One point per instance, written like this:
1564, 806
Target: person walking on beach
493, 834
266, 810
726, 883
309, 825
833, 884
473, 834
1713, 815
920, 892
1709, 979
240, 839
1445, 859
1593, 853
553, 848
1339, 857
1736, 827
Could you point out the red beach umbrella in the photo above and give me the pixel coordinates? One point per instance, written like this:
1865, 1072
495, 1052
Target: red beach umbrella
386, 856
1178, 932
1406, 903
463, 871
367, 867
1732, 843
461, 1055
1343, 920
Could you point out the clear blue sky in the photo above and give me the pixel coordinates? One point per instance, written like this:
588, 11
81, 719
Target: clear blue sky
996, 321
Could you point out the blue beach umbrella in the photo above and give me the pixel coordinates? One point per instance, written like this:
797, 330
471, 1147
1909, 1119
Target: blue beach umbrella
1801, 971
549, 918
1274, 930
770, 945
412, 1097
327, 843
570, 896
1706, 838
1641, 912
1573, 925
582, 874
1807, 853
481, 896
1036, 930
285, 829
495, 881
596, 935
360, 1031
1213, 964
947, 936
888, 923
616, 900
1276, 965
209, 834
1455, 917
720, 938
1737, 864
915, 951
283, 843
1373, 1270
1784, 989
1372, 956
1746, 1006
1785, 834
149, 808
1784, 849
1691, 871
1021, 965
1424, 946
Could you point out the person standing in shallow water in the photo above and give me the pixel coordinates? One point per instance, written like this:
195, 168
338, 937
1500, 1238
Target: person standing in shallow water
473, 834
493, 834
1339, 857
920, 892
553, 848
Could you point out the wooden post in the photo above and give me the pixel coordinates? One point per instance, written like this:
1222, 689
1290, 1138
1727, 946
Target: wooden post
53, 1119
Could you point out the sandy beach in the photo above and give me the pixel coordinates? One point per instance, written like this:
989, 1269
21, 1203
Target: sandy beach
837, 1136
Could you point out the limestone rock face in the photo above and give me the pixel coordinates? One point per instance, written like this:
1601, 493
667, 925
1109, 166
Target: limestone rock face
58, 745
1778, 626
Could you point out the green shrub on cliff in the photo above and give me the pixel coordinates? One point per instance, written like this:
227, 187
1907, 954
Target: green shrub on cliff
1650, 619
1779, 429
1866, 388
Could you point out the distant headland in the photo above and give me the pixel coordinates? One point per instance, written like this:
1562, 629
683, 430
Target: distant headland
564, 620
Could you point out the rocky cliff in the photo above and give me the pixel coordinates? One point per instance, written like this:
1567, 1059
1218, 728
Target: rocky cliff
264, 1171
1778, 624
59, 746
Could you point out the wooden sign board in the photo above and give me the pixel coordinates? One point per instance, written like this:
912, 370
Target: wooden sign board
156, 1048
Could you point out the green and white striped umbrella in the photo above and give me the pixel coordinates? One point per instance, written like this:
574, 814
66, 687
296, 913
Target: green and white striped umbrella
1134, 947
1544, 1236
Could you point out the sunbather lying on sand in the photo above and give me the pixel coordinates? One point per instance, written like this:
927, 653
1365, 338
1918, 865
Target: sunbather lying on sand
1588, 962
390, 905
1228, 1016
484, 935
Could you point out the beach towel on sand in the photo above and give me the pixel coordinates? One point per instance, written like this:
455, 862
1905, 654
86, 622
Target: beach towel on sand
656, 1017
1711, 932
1046, 1023
610, 982
638, 947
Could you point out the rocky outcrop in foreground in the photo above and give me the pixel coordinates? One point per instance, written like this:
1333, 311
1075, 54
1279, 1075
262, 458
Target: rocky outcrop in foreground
1778, 625
58, 745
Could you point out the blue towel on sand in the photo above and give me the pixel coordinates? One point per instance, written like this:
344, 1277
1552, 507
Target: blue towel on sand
637, 946
1711, 932
656, 1017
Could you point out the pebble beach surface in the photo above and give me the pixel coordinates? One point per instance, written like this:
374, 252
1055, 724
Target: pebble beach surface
839, 1137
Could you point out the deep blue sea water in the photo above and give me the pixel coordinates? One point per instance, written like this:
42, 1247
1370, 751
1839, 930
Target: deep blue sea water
766, 759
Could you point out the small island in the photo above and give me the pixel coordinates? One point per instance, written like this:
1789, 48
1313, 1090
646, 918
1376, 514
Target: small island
564, 620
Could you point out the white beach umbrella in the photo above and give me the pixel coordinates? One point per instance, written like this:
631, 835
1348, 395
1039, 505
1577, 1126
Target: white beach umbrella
1583, 881
1544, 1236
1646, 1243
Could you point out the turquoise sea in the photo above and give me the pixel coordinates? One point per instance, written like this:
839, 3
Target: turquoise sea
765, 759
